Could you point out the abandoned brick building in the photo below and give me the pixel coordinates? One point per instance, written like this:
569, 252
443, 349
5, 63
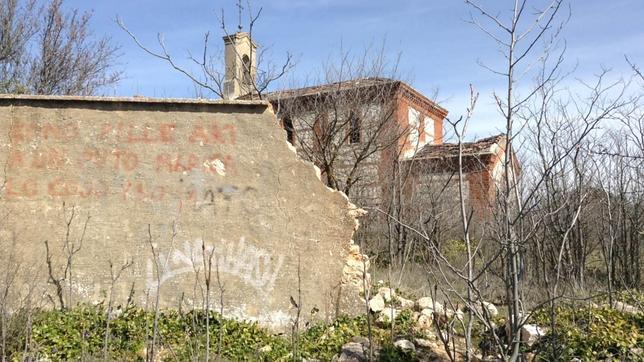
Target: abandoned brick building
379, 140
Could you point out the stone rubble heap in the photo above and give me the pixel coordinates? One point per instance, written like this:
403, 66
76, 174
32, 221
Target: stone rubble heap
386, 305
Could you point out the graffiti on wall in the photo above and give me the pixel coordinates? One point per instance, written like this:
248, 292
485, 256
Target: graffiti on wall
255, 266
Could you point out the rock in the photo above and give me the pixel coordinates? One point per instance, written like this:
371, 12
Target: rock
425, 303
354, 249
451, 314
355, 271
405, 303
428, 303
445, 336
424, 343
491, 309
116, 312
424, 322
623, 307
387, 293
352, 352
160, 355
267, 348
405, 345
364, 341
530, 333
355, 267
427, 312
458, 315
377, 303
143, 353
386, 314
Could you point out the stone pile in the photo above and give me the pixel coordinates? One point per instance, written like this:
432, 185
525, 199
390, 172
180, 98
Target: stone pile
387, 304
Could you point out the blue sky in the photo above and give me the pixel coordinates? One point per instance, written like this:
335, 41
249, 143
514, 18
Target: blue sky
439, 49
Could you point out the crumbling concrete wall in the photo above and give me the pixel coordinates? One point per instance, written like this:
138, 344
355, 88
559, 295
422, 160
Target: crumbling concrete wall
170, 187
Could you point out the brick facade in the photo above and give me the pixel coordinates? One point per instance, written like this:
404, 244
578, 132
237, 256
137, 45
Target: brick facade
419, 143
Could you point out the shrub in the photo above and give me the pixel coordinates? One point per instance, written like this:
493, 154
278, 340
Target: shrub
589, 333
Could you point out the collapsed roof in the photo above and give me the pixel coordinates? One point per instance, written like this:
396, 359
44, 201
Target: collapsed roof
484, 146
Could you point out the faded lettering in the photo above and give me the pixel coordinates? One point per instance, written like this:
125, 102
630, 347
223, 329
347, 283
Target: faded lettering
73, 153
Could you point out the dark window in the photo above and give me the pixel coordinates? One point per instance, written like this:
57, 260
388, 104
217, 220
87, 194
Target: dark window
354, 133
246, 64
290, 132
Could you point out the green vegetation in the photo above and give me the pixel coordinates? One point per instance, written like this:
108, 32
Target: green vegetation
590, 333
583, 331
79, 333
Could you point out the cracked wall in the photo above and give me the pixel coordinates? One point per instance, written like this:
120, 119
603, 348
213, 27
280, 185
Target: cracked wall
171, 187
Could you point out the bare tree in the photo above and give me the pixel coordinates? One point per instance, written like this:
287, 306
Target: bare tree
295, 326
46, 50
342, 124
466, 220
17, 27
207, 255
71, 247
7, 283
222, 290
18, 300
210, 74
114, 277
517, 39
545, 208
160, 264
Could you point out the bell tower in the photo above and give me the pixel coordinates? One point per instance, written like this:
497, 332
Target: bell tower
241, 65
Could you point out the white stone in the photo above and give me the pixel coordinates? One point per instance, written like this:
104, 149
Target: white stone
387, 293
491, 309
427, 312
424, 322
377, 303
354, 249
530, 333
458, 315
424, 343
425, 303
386, 314
405, 345
623, 307
428, 303
449, 313
357, 264
405, 303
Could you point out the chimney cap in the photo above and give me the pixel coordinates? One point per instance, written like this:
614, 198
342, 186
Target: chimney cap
231, 38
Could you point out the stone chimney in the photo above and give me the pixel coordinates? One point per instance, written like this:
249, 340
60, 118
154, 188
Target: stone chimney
241, 65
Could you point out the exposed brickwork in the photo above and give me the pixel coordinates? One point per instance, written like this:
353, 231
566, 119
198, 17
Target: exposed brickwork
374, 172
420, 122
